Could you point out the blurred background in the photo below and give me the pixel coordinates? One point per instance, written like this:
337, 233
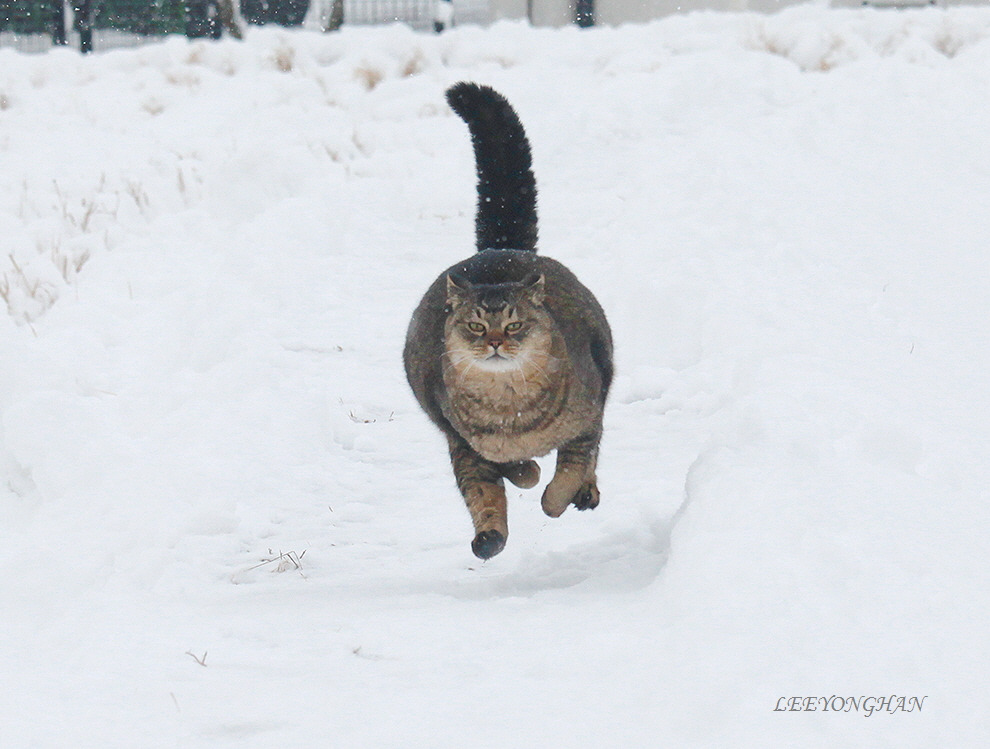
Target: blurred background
89, 25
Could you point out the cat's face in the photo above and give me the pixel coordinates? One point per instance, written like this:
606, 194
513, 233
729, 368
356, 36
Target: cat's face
497, 328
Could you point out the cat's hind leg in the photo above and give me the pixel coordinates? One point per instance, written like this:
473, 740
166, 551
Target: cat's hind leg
481, 485
525, 473
574, 482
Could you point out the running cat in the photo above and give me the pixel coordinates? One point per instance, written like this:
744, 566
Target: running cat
508, 353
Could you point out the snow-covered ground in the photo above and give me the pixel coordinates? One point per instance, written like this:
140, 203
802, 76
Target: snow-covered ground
225, 523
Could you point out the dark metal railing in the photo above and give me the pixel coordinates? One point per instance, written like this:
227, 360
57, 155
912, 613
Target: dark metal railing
36, 25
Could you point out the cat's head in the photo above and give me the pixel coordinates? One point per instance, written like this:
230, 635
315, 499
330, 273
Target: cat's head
497, 327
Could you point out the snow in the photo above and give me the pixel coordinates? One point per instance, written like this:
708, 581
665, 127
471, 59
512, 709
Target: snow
226, 523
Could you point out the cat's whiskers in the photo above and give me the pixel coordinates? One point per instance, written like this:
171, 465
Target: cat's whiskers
548, 357
457, 358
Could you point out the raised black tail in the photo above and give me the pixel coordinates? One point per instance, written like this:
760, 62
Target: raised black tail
506, 218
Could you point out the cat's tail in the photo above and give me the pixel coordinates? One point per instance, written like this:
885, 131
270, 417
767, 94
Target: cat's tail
506, 217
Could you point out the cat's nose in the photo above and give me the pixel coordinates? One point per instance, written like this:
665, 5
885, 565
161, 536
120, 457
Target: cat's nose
495, 342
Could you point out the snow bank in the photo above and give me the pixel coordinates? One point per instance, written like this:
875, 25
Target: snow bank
227, 523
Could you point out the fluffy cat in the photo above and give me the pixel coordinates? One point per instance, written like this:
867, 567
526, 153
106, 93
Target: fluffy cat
508, 353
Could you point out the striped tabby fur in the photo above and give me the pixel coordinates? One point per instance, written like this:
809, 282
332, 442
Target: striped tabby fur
508, 353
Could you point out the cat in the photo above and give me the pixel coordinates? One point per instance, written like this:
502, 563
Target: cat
508, 353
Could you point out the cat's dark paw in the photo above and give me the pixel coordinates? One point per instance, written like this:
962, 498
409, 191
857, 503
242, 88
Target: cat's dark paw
525, 474
587, 497
560, 493
487, 544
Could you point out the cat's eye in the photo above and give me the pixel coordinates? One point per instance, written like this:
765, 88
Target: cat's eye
513, 327
476, 327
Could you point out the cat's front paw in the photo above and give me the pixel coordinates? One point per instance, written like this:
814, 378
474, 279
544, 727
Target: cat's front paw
487, 544
560, 493
587, 497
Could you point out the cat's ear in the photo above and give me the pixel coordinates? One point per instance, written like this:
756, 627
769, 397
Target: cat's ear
534, 287
458, 288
